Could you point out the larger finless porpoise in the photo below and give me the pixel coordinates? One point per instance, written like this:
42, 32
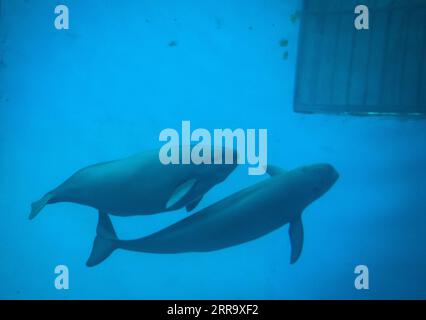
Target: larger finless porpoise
139, 185
239, 218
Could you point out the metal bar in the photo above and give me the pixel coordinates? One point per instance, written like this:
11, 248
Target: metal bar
300, 48
367, 71
318, 60
333, 72
385, 53
355, 108
404, 56
422, 68
379, 10
349, 80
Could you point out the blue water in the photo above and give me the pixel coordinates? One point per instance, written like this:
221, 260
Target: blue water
105, 88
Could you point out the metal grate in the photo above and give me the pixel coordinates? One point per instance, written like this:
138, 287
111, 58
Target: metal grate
377, 71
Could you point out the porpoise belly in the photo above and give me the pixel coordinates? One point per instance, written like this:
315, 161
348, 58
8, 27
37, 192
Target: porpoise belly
122, 187
211, 232
122, 200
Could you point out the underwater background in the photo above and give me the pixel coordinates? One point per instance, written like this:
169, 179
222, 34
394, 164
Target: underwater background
124, 71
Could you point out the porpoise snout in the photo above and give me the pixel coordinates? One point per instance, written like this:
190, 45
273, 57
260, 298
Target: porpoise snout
327, 172
333, 173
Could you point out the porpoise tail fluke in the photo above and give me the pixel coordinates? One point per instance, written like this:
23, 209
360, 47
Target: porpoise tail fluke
37, 206
105, 243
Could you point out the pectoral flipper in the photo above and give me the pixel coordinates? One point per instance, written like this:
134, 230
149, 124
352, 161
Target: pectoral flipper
296, 239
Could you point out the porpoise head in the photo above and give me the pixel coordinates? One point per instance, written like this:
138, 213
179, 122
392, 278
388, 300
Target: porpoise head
227, 159
204, 176
302, 186
222, 162
320, 178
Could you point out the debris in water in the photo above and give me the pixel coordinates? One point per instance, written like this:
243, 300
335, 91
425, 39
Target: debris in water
172, 43
283, 43
285, 55
295, 17
218, 22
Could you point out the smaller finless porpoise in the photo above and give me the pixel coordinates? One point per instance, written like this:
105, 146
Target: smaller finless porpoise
243, 216
140, 184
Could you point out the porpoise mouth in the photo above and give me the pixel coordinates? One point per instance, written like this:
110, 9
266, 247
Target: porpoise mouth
335, 175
